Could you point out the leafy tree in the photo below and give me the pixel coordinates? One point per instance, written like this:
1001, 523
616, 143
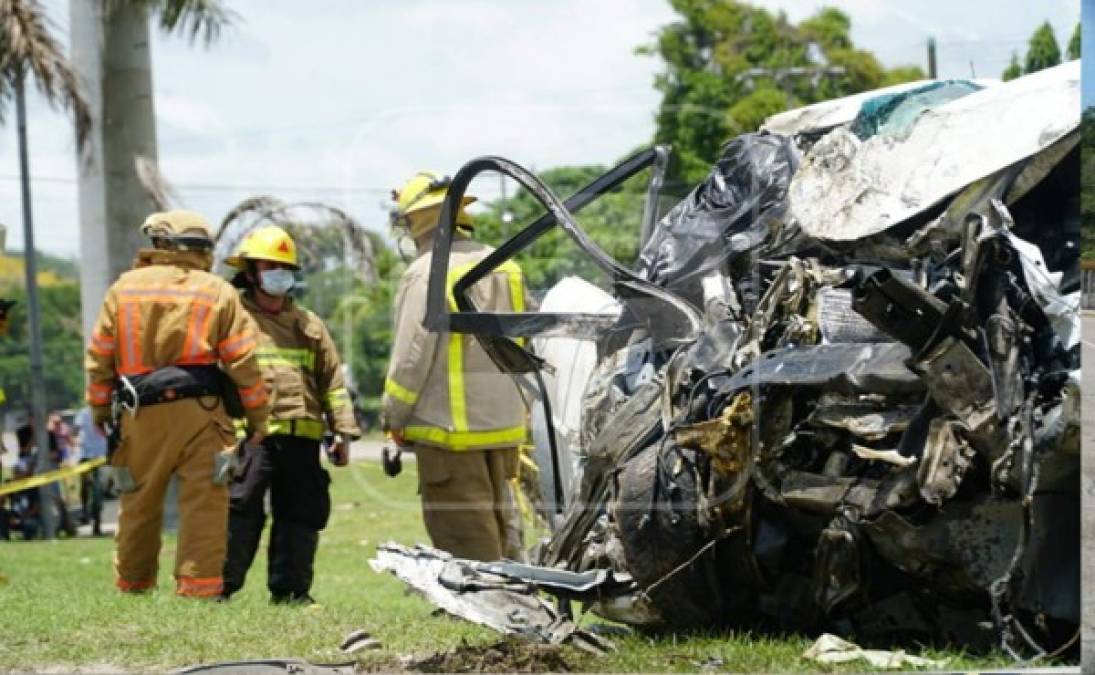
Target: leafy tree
63, 353
1074, 43
1042, 51
1087, 185
729, 65
1013, 70
902, 74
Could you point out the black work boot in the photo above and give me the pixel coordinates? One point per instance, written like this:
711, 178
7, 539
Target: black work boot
295, 599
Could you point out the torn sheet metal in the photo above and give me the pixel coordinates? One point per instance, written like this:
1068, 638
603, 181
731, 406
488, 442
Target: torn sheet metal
505, 604
839, 322
831, 650
828, 114
959, 382
847, 189
1063, 311
867, 421
889, 456
946, 458
847, 368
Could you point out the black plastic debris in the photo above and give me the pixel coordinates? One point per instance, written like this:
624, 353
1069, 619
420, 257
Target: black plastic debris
732, 212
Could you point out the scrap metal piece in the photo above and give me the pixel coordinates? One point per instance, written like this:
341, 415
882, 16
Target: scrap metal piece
898, 307
1063, 311
958, 382
847, 368
1001, 338
889, 456
946, 458
547, 578
505, 604
838, 321
868, 421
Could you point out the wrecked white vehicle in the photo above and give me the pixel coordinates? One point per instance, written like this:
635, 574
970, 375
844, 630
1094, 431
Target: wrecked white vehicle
839, 389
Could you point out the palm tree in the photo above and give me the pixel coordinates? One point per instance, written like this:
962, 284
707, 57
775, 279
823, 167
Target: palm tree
27, 47
110, 50
113, 114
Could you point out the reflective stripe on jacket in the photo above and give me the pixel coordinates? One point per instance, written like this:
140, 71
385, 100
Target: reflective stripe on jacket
303, 371
168, 310
443, 389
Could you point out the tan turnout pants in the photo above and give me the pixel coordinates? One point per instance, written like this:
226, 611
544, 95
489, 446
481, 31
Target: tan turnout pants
181, 438
467, 502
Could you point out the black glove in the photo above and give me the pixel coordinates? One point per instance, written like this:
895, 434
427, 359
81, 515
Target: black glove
393, 464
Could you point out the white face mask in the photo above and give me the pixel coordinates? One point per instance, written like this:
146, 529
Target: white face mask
277, 281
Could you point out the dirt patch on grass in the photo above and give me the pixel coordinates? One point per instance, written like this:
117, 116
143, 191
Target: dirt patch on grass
511, 656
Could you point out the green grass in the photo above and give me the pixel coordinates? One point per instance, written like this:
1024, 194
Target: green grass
59, 609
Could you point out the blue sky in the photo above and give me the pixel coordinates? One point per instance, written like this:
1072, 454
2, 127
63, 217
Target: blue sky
345, 100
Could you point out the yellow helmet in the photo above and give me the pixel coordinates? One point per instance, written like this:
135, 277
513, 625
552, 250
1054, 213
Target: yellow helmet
266, 243
425, 190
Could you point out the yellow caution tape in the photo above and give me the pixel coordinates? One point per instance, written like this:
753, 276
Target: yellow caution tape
50, 476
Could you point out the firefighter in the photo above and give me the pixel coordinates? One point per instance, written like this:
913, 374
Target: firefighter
302, 368
163, 329
445, 398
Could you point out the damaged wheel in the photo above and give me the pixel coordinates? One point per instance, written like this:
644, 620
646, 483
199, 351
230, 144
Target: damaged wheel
658, 520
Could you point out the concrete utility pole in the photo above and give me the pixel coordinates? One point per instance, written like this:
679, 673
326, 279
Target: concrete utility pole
43, 462
111, 54
932, 74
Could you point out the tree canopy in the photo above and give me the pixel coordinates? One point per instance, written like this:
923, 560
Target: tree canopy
1074, 43
1042, 52
63, 344
729, 65
1087, 185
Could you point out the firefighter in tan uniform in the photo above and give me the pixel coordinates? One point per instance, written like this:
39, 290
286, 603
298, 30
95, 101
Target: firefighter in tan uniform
308, 396
443, 395
171, 343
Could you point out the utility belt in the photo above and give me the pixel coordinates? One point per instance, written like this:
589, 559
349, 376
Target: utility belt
313, 430
175, 383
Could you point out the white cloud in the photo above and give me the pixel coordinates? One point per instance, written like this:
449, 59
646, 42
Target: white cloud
179, 113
